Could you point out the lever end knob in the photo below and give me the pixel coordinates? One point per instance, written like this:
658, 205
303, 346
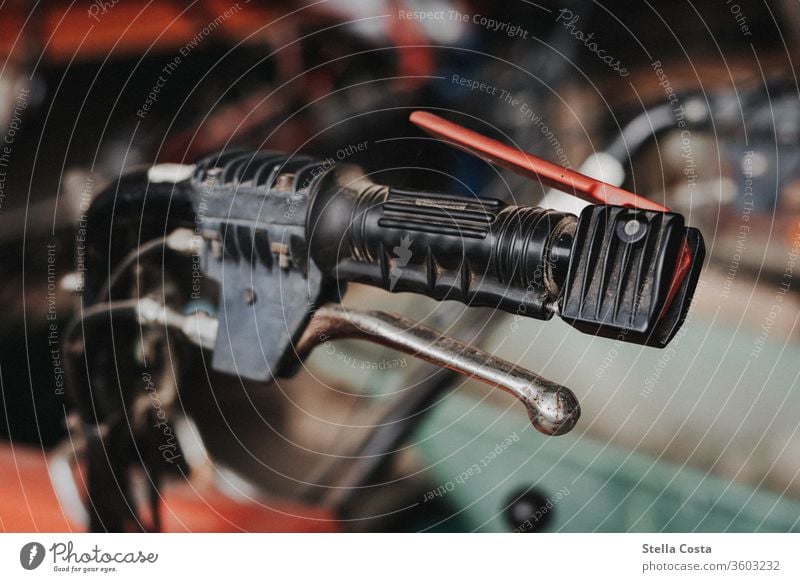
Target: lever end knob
553, 409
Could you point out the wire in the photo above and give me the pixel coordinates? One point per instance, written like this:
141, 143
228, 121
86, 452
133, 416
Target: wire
132, 257
94, 424
126, 308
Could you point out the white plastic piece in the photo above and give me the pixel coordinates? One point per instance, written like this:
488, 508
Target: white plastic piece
170, 173
184, 240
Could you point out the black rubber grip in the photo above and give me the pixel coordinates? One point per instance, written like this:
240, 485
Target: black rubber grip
479, 251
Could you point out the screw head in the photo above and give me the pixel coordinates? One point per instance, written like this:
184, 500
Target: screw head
631, 229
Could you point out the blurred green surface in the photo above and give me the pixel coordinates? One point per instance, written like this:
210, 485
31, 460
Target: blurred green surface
602, 488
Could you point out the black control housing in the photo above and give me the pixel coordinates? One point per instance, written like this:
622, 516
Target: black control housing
284, 234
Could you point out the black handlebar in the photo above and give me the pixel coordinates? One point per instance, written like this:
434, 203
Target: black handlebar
296, 226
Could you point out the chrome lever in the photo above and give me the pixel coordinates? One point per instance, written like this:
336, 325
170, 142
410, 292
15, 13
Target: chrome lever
552, 408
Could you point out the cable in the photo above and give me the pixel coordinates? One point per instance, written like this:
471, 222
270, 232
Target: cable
107, 511
132, 257
125, 308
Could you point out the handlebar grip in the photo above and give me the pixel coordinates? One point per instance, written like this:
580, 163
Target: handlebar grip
297, 225
479, 251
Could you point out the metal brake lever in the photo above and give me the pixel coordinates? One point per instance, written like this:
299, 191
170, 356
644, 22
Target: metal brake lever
552, 408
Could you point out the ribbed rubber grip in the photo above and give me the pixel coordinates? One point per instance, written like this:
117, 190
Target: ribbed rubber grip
475, 250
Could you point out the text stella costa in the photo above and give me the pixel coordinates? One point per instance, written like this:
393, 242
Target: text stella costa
670, 549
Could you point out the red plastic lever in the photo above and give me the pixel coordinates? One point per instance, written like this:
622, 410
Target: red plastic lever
525, 164
551, 175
